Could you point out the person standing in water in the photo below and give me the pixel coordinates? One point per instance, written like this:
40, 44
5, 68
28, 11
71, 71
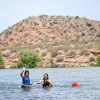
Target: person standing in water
45, 82
25, 78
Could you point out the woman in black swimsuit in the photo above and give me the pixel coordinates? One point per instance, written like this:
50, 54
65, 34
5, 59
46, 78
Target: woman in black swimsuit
45, 82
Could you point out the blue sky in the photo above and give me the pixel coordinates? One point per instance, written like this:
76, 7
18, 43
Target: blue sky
13, 11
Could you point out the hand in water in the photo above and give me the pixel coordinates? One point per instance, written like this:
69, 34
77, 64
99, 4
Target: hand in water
24, 68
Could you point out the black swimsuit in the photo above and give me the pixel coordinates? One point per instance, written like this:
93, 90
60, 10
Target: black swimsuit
46, 83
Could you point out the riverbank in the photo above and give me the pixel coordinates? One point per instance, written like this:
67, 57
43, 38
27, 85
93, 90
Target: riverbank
72, 65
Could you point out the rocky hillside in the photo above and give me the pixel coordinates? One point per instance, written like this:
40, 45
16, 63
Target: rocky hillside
60, 40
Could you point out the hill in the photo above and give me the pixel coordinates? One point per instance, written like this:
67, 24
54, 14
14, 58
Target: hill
60, 40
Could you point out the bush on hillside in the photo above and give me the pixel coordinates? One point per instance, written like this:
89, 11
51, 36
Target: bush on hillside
28, 59
98, 34
1, 62
60, 59
84, 52
83, 34
88, 24
52, 63
91, 59
98, 61
54, 53
71, 54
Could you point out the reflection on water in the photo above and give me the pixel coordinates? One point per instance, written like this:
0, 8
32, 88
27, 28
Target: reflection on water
89, 79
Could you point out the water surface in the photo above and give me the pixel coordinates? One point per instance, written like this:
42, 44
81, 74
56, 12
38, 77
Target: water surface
88, 77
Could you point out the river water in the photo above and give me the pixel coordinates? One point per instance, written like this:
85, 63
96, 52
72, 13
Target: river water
62, 78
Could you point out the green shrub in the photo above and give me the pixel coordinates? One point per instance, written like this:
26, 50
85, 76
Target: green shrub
91, 59
91, 64
1, 62
98, 60
51, 62
28, 59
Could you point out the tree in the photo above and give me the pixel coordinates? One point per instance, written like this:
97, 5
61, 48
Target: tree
28, 59
1, 62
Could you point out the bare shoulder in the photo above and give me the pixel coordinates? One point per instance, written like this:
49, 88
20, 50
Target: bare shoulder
50, 81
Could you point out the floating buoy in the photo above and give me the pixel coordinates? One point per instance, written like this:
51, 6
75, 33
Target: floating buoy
75, 84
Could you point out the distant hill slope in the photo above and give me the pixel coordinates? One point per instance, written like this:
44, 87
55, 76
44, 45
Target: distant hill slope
61, 38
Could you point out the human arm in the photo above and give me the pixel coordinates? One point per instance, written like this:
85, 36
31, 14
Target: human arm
50, 83
31, 83
22, 73
40, 82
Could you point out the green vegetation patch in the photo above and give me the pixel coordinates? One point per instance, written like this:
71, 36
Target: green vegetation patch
29, 59
1, 61
97, 60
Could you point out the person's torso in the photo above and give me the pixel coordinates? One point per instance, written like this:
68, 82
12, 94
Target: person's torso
46, 83
26, 80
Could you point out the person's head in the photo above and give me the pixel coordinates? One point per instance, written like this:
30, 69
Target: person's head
46, 76
26, 73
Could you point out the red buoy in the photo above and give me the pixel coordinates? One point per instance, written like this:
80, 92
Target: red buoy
76, 84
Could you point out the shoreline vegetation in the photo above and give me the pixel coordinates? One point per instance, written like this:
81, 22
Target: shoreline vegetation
31, 59
51, 41
62, 65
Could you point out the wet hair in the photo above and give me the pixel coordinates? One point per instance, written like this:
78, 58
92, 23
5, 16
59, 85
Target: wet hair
44, 76
26, 72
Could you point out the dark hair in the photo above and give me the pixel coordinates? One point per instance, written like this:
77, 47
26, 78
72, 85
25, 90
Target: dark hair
47, 76
26, 72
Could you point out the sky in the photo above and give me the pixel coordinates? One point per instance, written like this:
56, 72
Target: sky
13, 11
